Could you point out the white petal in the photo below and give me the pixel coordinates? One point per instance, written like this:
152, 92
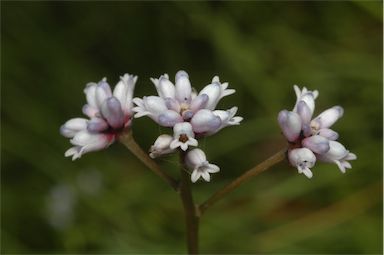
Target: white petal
195, 175
183, 128
328, 133
206, 176
304, 112
328, 117
213, 168
165, 88
183, 87
199, 102
195, 158
124, 92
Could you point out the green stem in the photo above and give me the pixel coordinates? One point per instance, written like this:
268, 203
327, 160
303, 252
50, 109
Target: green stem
127, 139
273, 160
190, 209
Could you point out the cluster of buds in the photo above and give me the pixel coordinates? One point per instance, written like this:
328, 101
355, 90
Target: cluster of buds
191, 115
109, 113
312, 139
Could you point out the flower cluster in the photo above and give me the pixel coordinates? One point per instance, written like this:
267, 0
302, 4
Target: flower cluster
192, 115
109, 113
312, 139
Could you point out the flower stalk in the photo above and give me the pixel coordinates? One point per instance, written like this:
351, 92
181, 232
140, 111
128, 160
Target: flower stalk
127, 139
190, 209
263, 166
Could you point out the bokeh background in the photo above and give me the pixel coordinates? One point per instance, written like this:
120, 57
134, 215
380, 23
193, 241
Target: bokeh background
108, 202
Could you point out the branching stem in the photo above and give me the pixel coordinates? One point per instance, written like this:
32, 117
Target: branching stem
276, 158
127, 139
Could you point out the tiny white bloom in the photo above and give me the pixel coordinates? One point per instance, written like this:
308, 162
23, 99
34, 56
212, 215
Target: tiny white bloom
303, 159
183, 136
197, 162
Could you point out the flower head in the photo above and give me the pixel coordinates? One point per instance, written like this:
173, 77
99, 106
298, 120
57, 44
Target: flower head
312, 139
109, 113
179, 103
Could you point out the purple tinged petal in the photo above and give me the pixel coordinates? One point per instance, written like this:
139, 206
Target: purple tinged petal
328, 117
304, 112
199, 102
213, 91
165, 88
73, 126
90, 94
112, 112
172, 104
124, 92
183, 87
205, 121
169, 118
96, 125
328, 133
317, 144
103, 91
290, 123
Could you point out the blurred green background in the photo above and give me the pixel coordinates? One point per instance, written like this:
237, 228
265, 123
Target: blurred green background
108, 202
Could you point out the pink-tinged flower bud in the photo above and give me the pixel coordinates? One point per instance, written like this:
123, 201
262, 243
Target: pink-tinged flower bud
199, 102
339, 155
103, 91
197, 161
303, 159
304, 112
73, 126
327, 118
112, 112
318, 144
205, 121
328, 133
161, 146
183, 136
169, 118
213, 91
90, 111
96, 125
124, 92
290, 124
183, 87
172, 104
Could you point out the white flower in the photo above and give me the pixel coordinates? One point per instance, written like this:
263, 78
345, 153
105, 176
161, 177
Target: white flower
183, 136
109, 114
161, 146
339, 155
303, 159
179, 102
197, 162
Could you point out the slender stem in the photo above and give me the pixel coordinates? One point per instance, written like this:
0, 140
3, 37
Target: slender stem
190, 209
276, 158
127, 139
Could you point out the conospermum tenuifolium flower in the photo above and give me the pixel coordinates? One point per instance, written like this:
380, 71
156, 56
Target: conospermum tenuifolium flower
109, 113
312, 139
191, 115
